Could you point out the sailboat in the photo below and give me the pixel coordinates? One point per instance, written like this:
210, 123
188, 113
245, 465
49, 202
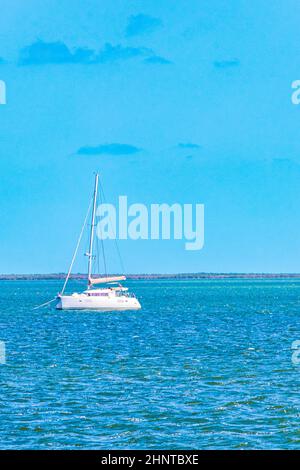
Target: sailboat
112, 296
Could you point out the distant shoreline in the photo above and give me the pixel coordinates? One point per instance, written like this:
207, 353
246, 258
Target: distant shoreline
78, 276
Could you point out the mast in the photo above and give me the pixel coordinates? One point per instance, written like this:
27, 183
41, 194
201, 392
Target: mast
90, 253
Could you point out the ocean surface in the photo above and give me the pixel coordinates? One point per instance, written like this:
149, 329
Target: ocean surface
206, 364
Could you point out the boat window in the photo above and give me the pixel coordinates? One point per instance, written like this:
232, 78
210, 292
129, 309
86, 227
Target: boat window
98, 294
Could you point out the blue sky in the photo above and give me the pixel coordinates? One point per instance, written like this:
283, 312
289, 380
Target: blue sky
170, 101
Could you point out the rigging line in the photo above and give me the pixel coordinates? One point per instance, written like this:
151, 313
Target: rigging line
101, 238
104, 257
77, 246
97, 256
95, 249
97, 244
115, 236
46, 303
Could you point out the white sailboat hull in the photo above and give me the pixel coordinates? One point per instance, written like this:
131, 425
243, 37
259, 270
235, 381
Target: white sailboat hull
104, 299
85, 302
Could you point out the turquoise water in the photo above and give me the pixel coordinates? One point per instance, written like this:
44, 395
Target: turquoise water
204, 365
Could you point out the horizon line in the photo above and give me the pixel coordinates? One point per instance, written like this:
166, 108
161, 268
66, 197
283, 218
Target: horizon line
191, 275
